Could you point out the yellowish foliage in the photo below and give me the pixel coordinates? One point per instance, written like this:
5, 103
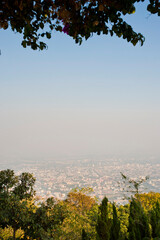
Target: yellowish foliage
148, 200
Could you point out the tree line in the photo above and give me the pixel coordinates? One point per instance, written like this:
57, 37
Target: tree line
23, 215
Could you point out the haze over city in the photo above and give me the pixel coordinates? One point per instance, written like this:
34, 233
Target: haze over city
98, 98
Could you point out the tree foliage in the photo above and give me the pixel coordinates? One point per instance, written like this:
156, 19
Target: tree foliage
78, 217
14, 193
138, 222
148, 200
155, 220
80, 199
104, 222
80, 19
115, 229
81, 216
123, 214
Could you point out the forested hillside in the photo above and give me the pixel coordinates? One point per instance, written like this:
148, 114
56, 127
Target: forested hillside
23, 215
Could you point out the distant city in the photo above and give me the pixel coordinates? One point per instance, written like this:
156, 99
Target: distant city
58, 178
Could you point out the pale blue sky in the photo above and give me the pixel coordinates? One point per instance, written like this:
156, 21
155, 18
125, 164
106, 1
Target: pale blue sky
98, 98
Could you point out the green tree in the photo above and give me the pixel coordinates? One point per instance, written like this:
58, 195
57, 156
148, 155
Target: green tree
115, 229
36, 19
155, 220
148, 200
123, 214
138, 222
81, 200
80, 210
104, 222
15, 192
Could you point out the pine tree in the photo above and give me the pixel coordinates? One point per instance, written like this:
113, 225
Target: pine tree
115, 229
104, 222
155, 220
138, 222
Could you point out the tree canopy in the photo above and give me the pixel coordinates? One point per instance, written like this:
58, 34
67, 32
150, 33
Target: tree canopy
36, 19
79, 216
14, 193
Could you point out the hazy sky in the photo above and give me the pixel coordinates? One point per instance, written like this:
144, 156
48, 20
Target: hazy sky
102, 97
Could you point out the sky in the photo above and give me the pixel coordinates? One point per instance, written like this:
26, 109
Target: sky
98, 98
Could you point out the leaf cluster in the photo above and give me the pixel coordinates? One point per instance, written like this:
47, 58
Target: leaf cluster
80, 19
